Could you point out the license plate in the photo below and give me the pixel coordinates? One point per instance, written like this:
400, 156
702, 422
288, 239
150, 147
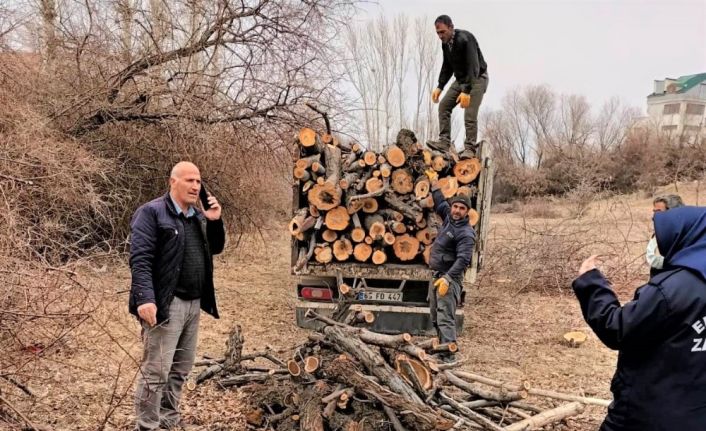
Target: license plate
383, 296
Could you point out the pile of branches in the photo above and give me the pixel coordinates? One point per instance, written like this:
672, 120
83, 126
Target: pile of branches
354, 204
346, 377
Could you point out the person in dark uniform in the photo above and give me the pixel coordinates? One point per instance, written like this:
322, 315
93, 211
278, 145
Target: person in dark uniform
660, 381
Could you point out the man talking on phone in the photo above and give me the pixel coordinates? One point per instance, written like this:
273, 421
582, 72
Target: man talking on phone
172, 244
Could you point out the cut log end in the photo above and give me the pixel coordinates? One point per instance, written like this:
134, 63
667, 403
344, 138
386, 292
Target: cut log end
402, 181
421, 189
467, 170
329, 235
406, 247
473, 217
395, 156
293, 368
370, 205
325, 196
379, 257
362, 252
575, 338
307, 137
358, 234
337, 218
311, 364
448, 186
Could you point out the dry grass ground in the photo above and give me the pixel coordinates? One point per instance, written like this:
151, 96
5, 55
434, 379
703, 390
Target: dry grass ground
85, 381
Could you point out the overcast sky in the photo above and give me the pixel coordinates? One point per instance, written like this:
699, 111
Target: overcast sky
596, 48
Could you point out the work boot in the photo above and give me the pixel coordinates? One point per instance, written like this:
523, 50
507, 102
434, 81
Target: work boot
444, 357
468, 153
441, 146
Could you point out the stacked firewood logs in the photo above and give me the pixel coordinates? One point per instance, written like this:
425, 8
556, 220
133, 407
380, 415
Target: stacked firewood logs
361, 206
346, 377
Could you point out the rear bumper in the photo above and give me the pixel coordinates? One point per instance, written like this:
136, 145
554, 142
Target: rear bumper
389, 319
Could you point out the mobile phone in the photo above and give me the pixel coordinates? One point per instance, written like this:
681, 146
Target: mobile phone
203, 195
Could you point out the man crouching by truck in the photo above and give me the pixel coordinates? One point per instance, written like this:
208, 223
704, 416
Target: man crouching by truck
450, 256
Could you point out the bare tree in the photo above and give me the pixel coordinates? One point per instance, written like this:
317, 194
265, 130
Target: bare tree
383, 63
574, 121
426, 60
612, 124
539, 108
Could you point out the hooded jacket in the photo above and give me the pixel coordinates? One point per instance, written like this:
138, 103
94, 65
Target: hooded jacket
660, 380
157, 253
453, 247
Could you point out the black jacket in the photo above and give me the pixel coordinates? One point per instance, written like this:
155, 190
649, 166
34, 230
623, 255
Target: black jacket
157, 251
464, 61
453, 247
660, 381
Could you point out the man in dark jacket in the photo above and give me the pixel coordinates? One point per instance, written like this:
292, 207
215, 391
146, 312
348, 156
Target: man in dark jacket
172, 244
450, 256
464, 60
660, 335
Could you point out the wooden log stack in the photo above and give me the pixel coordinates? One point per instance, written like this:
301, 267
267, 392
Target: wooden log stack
346, 377
360, 206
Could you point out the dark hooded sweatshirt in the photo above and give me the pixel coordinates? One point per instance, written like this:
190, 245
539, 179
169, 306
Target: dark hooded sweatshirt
660, 381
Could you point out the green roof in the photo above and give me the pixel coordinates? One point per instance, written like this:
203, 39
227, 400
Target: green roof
686, 82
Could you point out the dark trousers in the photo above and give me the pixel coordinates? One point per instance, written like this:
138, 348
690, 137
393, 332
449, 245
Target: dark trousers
470, 115
442, 310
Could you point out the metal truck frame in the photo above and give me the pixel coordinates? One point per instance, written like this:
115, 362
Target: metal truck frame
395, 293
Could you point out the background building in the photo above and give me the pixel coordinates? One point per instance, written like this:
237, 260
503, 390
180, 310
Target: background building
677, 106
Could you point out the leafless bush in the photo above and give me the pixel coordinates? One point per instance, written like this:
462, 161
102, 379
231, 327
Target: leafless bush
539, 208
549, 144
544, 255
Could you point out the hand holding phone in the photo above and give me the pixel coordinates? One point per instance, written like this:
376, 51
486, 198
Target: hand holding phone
203, 195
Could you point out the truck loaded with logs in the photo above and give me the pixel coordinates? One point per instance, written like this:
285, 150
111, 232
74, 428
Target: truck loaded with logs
363, 224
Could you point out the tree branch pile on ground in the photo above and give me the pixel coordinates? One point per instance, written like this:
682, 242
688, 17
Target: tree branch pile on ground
346, 377
357, 205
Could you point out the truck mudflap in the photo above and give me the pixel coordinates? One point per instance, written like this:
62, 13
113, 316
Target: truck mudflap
389, 319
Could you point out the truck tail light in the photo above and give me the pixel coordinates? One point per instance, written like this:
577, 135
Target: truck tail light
316, 293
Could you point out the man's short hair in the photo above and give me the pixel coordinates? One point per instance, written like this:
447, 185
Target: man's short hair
444, 19
669, 201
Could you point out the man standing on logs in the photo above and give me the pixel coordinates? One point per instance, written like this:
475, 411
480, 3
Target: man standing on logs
464, 60
171, 252
450, 256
